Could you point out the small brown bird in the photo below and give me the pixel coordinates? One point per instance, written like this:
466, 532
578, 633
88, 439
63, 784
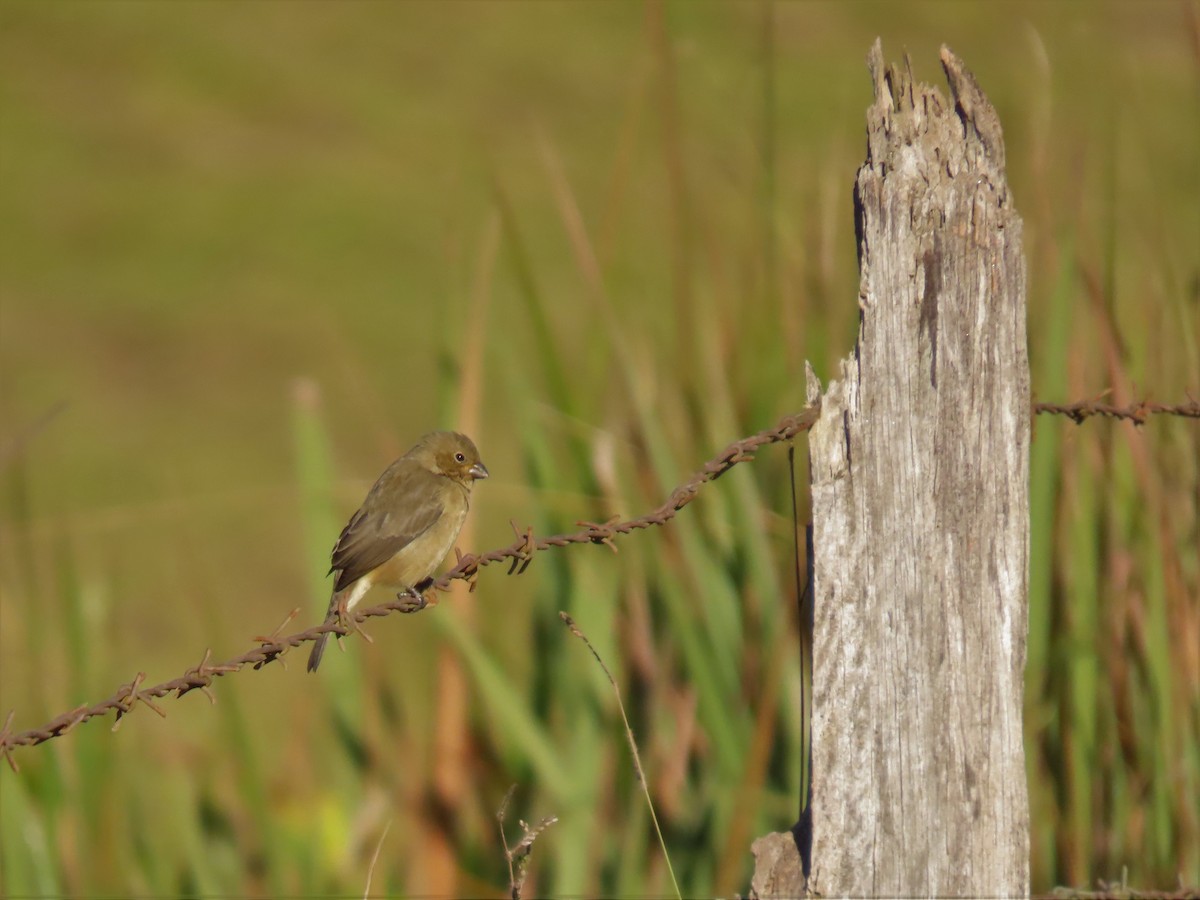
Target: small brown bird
406, 526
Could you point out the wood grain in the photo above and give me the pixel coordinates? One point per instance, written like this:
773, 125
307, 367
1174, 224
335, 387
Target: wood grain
920, 474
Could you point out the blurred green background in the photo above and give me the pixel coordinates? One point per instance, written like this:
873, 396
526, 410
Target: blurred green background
250, 251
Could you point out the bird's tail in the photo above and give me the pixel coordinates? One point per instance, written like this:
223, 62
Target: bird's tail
318, 650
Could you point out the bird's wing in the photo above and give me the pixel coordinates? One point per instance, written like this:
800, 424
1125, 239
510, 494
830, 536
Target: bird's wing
375, 534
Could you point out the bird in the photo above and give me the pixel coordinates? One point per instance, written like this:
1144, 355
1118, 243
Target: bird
405, 527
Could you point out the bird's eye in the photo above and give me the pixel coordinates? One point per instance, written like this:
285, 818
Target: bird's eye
459, 457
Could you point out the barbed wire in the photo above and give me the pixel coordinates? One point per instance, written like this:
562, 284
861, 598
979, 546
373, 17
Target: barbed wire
520, 554
1135, 412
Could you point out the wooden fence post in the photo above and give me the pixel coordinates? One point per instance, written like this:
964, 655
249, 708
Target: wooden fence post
920, 492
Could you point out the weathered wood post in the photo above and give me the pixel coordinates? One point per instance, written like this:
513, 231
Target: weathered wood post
919, 473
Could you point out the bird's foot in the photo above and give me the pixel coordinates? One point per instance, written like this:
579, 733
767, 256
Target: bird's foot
412, 600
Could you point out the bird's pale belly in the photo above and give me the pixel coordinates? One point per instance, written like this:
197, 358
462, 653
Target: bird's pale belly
416, 562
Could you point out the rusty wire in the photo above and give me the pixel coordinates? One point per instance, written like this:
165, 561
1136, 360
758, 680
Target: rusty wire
1135, 412
273, 648
520, 553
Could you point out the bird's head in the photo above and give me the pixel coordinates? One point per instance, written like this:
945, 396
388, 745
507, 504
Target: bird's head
452, 455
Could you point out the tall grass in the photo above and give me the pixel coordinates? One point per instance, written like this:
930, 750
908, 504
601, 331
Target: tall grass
604, 342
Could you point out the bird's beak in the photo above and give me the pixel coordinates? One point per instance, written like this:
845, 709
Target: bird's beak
477, 471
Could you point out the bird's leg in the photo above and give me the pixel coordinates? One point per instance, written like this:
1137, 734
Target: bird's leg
415, 603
